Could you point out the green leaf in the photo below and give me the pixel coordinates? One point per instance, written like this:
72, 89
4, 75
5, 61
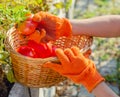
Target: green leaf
59, 5
39, 1
101, 2
10, 76
3, 62
3, 55
68, 4
111, 78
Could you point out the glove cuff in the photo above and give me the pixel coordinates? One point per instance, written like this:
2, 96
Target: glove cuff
92, 81
89, 78
66, 28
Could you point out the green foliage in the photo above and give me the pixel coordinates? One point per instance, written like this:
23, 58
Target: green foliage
115, 77
101, 2
68, 4
5, 60
102, 7
10, 15
14, 11
61, 5
89, 14
111, 78
107, 48
2, 37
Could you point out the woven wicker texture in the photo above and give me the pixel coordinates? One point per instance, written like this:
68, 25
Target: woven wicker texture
29, 71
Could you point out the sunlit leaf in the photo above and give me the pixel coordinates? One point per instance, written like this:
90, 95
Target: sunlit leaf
10, 76
68, 4
59, 5
39, 1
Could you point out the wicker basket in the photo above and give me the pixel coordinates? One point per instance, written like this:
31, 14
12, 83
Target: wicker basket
29, 71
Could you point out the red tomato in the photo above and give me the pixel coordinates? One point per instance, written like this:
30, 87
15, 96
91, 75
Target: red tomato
49, 49
43, 50
27, 27
27, 51
39, 49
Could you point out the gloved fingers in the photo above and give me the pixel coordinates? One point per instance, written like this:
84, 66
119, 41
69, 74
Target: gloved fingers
42, 33
54, 66
36, 17
44, 17
49, 22
69, 54
64, 28
40, 16
61, 56
47, 38
54, 25
76, 51
35, 36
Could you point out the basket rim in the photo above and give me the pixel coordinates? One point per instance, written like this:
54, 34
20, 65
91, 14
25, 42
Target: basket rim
10, 49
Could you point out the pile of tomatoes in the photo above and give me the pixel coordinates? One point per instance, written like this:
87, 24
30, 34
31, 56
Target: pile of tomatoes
35, 47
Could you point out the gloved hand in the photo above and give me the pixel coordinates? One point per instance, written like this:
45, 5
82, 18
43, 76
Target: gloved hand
54, 25
76, 67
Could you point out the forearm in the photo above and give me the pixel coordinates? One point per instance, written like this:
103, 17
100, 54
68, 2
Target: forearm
102, 26
102, 90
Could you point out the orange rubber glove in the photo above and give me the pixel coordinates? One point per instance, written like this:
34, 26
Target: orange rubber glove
54, 25
76, 67
37, 35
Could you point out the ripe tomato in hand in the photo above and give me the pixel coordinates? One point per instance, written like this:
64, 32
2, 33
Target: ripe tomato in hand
27, 51
27, 27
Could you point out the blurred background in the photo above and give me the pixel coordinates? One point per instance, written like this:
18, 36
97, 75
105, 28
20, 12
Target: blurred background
106, 51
